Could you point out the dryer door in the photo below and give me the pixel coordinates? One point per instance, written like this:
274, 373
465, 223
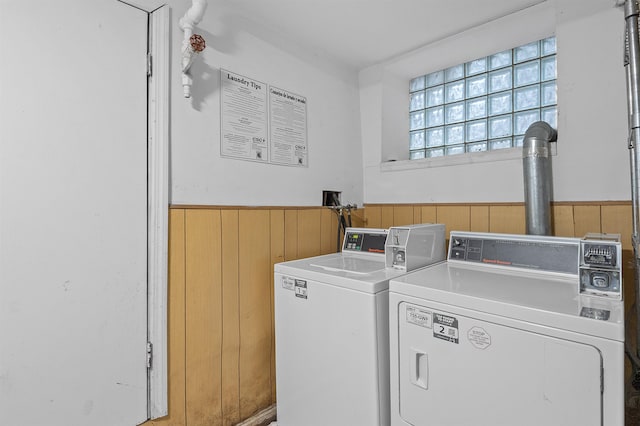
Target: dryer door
459, 371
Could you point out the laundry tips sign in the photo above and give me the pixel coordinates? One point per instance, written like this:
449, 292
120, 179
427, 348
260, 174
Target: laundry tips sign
262, 123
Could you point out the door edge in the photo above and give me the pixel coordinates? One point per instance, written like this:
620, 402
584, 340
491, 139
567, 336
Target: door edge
158, 210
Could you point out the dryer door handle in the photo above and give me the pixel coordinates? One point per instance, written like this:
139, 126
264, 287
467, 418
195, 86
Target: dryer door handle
419, 368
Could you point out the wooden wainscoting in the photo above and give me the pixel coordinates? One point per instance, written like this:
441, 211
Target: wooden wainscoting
221, 322
568, 219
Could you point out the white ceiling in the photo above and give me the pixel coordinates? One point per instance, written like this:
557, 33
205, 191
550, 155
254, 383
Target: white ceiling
360, 33
356, 33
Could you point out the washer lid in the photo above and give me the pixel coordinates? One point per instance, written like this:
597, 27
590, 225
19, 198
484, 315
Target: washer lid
345, 270
522, 295
348, 264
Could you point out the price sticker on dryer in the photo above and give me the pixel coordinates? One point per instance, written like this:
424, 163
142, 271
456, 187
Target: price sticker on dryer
445, 328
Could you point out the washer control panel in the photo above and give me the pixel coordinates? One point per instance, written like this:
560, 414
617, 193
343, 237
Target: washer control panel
365, 240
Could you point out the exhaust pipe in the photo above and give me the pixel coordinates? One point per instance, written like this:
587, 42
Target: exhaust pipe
536, 159
632, 71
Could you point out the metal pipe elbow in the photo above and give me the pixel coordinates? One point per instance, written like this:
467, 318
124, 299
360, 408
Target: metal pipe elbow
540, 130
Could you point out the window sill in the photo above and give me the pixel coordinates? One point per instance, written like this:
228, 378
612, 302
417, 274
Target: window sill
456, 160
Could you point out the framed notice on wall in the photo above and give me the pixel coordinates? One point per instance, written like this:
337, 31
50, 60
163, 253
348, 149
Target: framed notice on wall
262, 123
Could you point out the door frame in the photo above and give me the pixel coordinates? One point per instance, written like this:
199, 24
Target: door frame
158, 96
158, 209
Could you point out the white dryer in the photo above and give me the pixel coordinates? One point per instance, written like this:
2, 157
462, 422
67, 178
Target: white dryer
501, 335
332, 330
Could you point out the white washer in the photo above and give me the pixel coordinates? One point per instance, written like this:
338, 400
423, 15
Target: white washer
332, 339
502, 337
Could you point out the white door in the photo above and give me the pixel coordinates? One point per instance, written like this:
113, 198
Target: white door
73, 213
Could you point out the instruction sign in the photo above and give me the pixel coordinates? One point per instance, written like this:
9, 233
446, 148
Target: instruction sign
288, 124
262, 123
479, 337
244, 120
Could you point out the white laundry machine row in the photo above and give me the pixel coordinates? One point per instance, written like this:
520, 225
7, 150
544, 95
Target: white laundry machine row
506, 333
332, 329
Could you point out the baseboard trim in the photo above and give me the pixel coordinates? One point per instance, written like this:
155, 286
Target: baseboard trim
261, 418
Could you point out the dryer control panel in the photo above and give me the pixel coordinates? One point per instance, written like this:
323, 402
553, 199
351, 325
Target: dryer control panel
533, 252
596, 259
601, 265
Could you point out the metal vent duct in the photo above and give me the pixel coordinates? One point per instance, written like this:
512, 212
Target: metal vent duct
536, 161
632, 71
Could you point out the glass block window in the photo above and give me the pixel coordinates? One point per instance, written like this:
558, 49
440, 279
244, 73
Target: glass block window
486, 104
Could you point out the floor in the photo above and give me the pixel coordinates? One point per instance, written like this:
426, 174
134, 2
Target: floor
632, 418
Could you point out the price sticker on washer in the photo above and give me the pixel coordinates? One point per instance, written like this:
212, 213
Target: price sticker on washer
301, 289
445, 328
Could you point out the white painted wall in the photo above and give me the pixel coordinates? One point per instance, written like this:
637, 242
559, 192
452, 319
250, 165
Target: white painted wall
592, 155
199, 175
351, 120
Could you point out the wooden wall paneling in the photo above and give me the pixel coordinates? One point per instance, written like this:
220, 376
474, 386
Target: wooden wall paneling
402, 215
454, 217
586, 218
417, 214
221, 322
176, 323
328, 229
628, 282
616, 219
373, 216
230, 319
508, 219
290, 234
358, 218
276, 231
428, 214
203, 317
309, 230
479, 218
562, 221
386, 216
255, 311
